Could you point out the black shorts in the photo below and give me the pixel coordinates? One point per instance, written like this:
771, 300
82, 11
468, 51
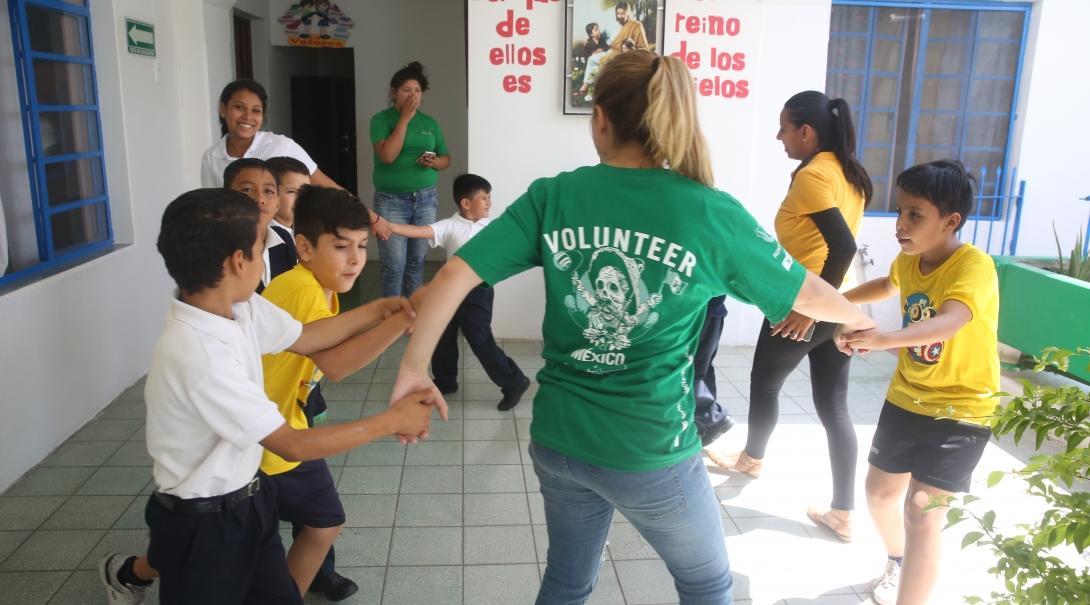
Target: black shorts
307, 495
221, 558
939, 452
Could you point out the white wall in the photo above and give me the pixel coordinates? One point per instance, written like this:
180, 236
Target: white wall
73, 341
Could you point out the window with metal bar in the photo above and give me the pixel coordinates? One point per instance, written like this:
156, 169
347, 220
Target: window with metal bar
62, 132
928, 81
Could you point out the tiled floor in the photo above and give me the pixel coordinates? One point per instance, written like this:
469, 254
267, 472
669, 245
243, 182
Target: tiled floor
458, 519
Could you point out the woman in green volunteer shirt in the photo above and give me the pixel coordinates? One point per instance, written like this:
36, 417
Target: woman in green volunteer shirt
409, 152
631, 253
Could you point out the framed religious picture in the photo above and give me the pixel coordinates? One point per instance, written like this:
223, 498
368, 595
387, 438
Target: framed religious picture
595, 31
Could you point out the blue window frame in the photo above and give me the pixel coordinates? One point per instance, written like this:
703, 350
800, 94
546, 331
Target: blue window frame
58, 97
930, 80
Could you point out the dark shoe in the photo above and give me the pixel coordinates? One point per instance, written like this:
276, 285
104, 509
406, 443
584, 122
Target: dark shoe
512, 396
447, 388
715, 431
335, 587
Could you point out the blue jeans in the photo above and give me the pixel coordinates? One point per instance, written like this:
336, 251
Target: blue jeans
673, 508
403, 258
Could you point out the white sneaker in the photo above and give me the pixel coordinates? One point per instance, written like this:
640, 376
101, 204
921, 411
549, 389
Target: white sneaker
118, 593
885, 590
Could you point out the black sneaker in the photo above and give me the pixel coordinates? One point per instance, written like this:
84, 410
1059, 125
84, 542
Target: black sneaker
335, 587
715, 431
512, 396
447, 388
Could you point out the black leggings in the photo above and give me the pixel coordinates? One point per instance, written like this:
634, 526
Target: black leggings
775, 358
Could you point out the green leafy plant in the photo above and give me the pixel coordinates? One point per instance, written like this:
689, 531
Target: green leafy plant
1078, 264
1027, 560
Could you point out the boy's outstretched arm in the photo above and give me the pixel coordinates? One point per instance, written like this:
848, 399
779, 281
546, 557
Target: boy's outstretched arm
411, 414
331, 331
413, 231
951, 316
871, 291
354, 353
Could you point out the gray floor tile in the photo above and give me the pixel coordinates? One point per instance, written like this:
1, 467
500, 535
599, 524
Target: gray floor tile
133, 517
125, 409
537, 507
434, 453
491, 452
608, 589
493, 478
82, 587
432, 480
132, 453
445, 430
429, 510
625, 543
363, 546
433, 585
369, 511
105, 429
117, 481
483, 410
52, 550
501, 584
88, 512
126, 541
337, 459
425, 546
522, 427
369, 480
496, 509
490, 430
10, 540
344, 391
30, 588
381, 392
26, 512
343, 410
455, 409
50, 481
377, 454
646, 582
369, 579
533, 486
87, 453
499, 545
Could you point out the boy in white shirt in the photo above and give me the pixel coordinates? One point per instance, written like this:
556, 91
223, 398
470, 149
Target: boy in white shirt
472, 193
212, 519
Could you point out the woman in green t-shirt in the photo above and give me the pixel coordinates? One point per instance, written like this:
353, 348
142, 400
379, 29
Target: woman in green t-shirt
409, 152
631, 249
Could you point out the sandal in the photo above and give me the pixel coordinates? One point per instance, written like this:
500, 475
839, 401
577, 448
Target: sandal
739, 463
840, 526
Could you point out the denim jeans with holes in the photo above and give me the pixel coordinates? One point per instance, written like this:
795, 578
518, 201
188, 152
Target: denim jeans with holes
403, 258
674, 509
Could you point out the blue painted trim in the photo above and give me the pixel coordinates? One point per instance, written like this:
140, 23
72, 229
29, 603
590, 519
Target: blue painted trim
70, 259
65, 207
55, 108
998, 5
98, 123
68, 157
1018, 216
37, 54
31, 129
64, 7
1016, 91
917, 84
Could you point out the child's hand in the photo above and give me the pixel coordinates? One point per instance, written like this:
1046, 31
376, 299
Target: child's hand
418, 297
392, 305
410, 382
865, 341
411, 414
794, 327
381, 228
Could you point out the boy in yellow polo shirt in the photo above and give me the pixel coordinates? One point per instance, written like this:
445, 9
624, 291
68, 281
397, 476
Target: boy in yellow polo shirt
931, 432
331, 229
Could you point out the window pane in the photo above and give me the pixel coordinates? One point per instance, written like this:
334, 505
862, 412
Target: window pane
68, 132
850, 18
883, 93
987, 131
991, 95
950, 24
848, 52
941, 93
995, 24
930, 154
52, 31
880, 127
846, 86
80, 226
946, 58
995, 59
876, 161
75, 180
891, 21
937, 129
879, 202
887, 56
76, 2
62, 83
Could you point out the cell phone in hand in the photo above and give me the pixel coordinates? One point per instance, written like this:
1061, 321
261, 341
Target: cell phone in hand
430, 155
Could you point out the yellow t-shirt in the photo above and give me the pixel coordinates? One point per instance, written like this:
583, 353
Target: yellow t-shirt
818, 186
289, 378
956, 378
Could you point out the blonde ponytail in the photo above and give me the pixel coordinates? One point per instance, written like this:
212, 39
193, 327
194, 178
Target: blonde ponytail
650, 100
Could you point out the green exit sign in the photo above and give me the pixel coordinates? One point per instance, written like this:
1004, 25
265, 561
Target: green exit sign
140, 36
